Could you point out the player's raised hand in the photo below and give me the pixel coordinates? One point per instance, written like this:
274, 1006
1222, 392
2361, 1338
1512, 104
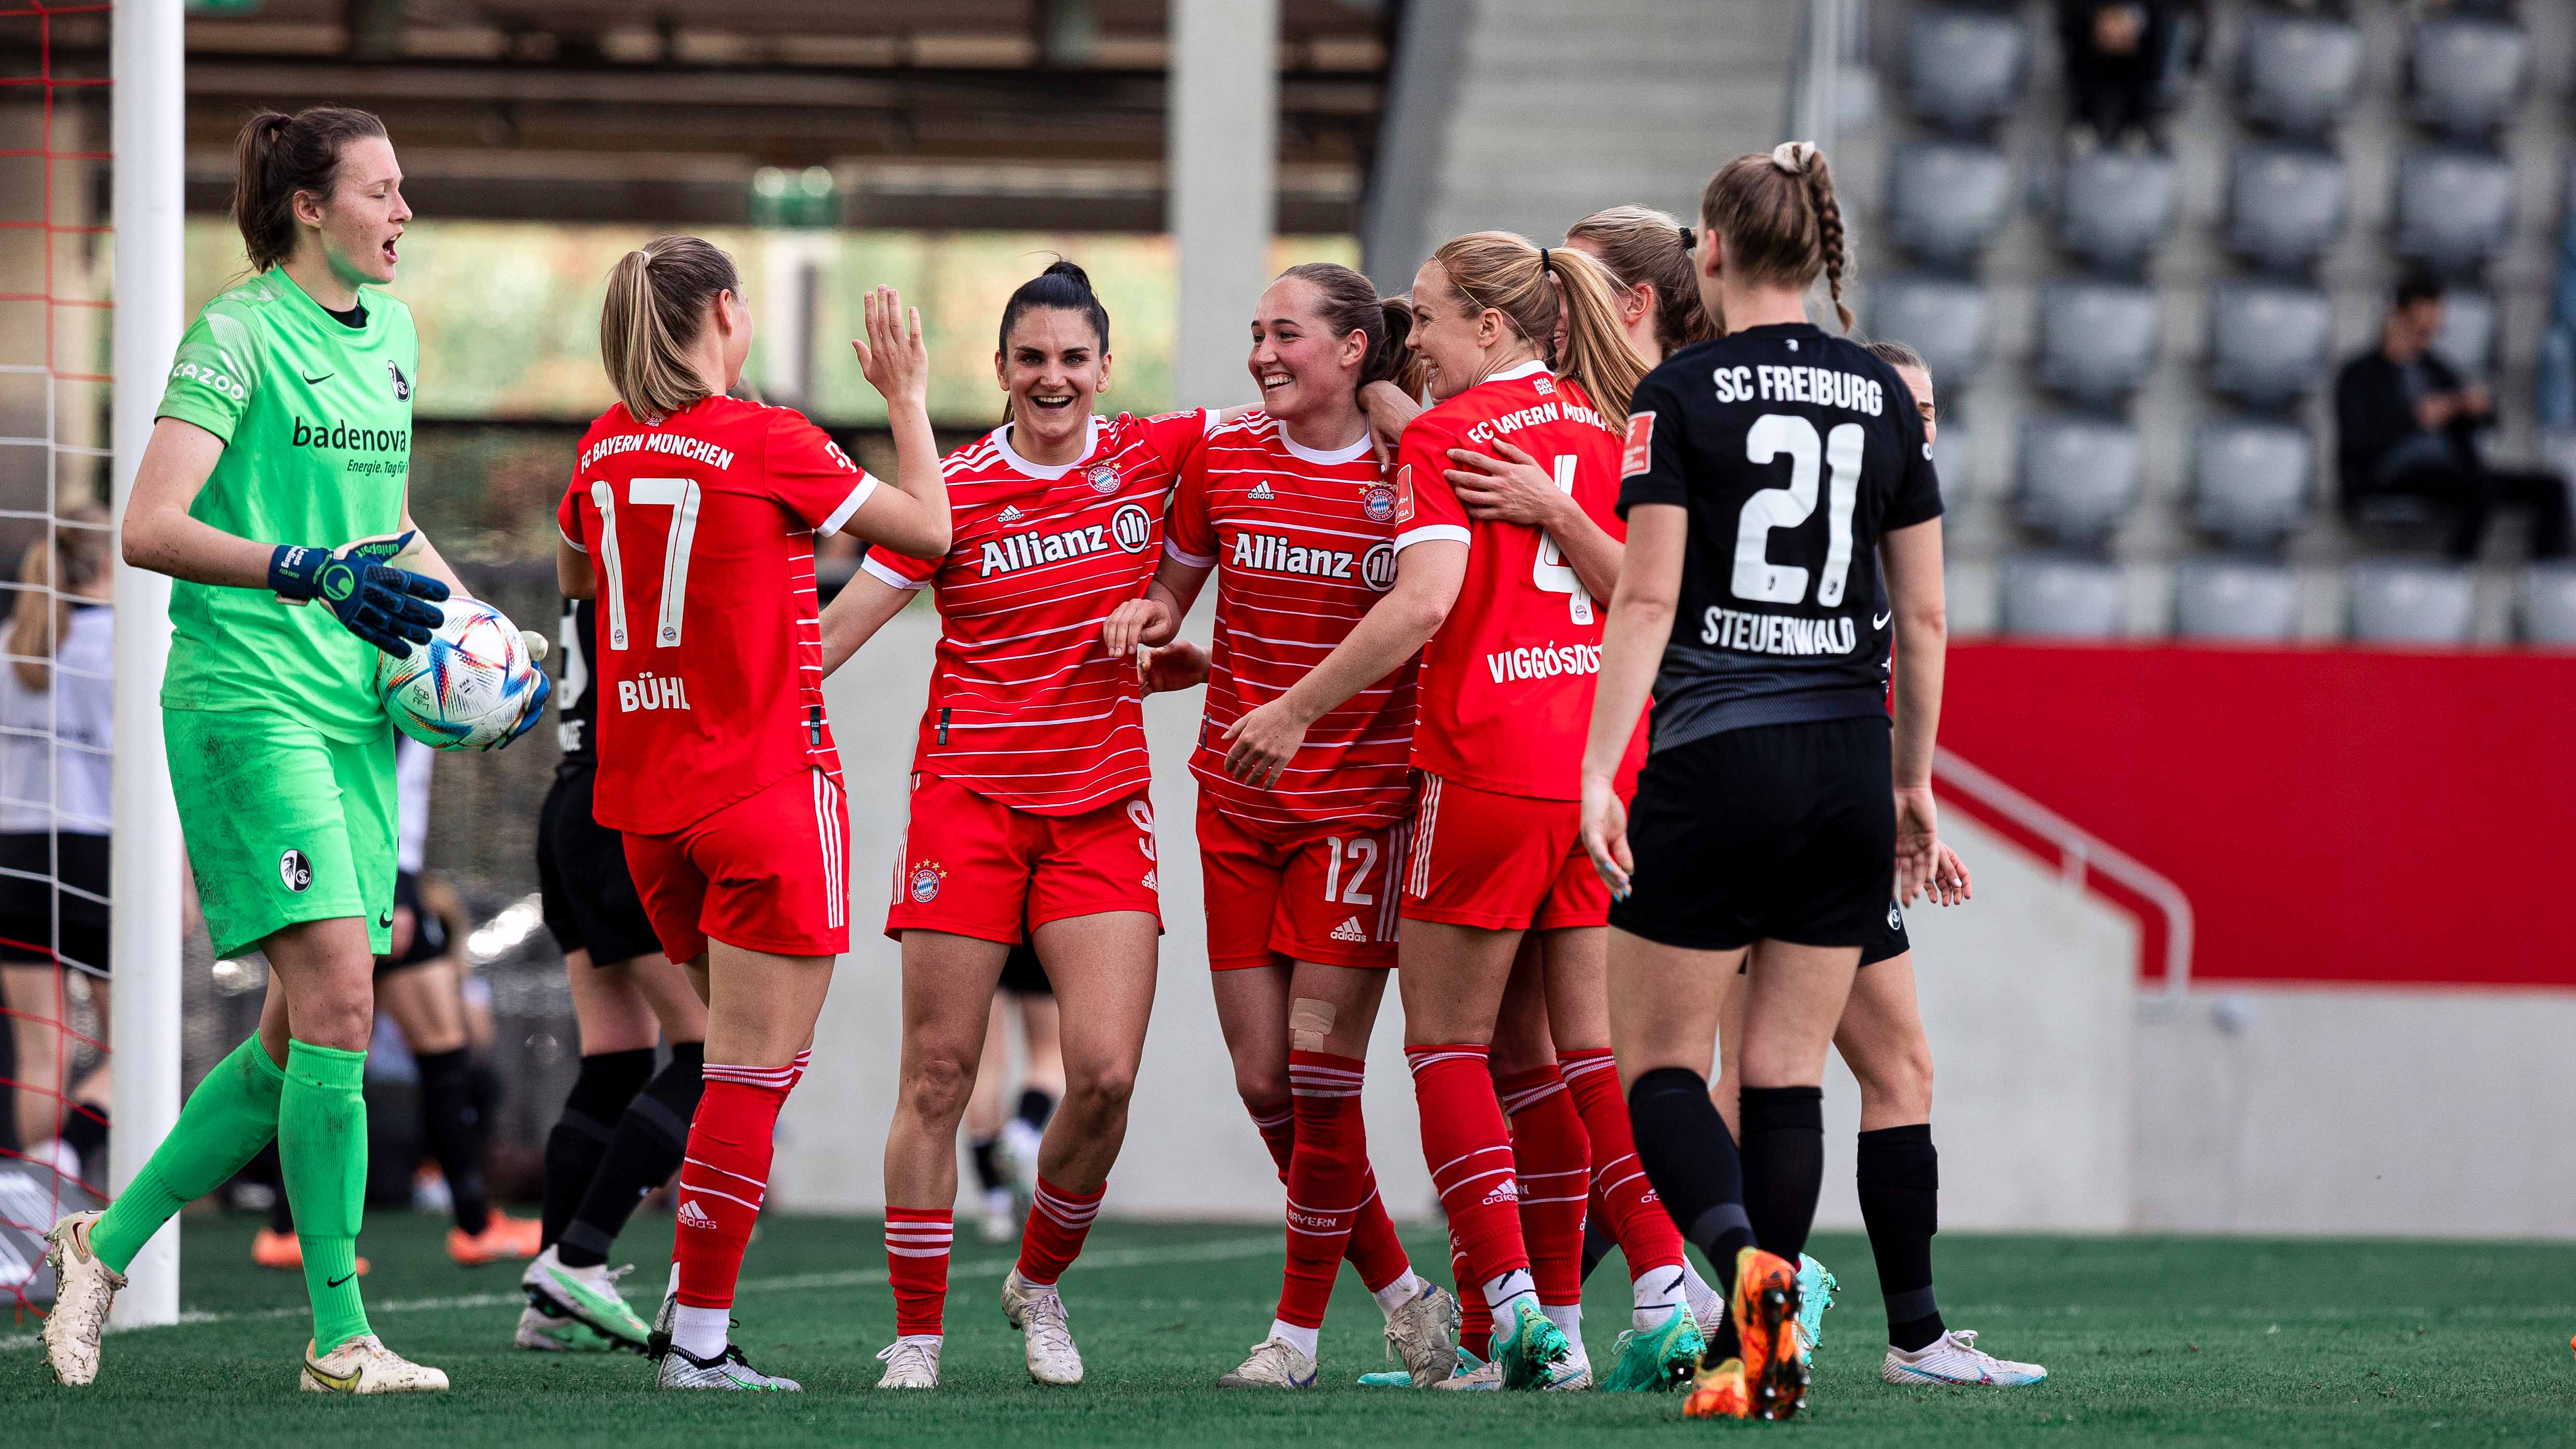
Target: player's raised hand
1260, 744
1147, 621
893, 354
1508, 488
1178, 665
1605, 835
1918, 843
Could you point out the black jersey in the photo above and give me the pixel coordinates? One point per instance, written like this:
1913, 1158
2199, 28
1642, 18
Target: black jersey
1794, 452
574, 709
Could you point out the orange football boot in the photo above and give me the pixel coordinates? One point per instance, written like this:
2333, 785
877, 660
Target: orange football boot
1719, 1393
1765, 1312
502, 1237
270, 1248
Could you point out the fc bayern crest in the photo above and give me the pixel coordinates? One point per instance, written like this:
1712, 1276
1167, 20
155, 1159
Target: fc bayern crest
1378, 501
925, 881
1103, 477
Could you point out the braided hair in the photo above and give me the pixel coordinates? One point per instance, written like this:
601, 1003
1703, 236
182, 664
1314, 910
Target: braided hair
1780, 220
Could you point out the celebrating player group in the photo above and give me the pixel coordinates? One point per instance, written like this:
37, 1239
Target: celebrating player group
1576, 657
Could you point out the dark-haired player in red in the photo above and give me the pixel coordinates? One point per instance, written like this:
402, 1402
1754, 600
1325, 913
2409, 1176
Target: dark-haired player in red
1292, 510
692, 518
1028, 803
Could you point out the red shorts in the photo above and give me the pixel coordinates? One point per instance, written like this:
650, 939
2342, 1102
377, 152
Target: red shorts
769, 872
1502, 862
1327, 898
972, 867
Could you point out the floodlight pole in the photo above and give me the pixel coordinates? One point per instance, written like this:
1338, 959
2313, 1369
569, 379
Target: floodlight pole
1223, 144
149, 142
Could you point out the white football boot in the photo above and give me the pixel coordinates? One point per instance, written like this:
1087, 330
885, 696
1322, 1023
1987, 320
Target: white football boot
728, 1370
911, 1363
1038, 1312
84, 1287
1954, 1358
1423, 1335
364, 1365
1275, 1364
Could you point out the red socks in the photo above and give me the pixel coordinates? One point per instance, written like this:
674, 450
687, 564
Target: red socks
1475, 1315
1470, 1154
916, 1243
1555, 1161
1327, 1181
1058, 1222
724, 1177
1374, 1249
1629, 1208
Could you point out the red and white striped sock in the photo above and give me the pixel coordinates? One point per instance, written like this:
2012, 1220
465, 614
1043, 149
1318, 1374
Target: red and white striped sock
1470, 1154
723, 1177
1278, 1128
1326, 1181
917, 1241
1058, 1222
1629, 1207
1475, 1315
1554, 1160
1375, 1250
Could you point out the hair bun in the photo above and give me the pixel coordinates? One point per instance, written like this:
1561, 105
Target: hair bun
1067, 268
1792, 156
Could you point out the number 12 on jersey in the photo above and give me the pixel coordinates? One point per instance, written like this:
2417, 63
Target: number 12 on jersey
680, 495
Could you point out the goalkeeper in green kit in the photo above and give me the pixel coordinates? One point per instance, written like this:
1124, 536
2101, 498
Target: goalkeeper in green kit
275, 491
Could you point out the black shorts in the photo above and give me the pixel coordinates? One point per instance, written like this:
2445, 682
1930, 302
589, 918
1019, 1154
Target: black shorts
428, 933
1887, 941
43, 920
1022, 975
588, 899
1781, 833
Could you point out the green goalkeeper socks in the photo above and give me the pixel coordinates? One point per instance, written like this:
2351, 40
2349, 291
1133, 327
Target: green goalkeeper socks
322, 1147
227, 1120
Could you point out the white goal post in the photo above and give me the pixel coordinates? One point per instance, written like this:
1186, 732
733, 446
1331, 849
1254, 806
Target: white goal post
149, 144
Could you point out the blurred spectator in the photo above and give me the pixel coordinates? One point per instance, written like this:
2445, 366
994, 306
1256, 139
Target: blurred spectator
2123, 59
55, 698
2407, 424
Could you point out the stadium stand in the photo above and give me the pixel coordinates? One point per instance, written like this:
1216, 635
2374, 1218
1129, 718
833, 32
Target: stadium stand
2097, 339
2467, 340
2079, 475
2299, 72
2467, 74
1948, 199
2114, 208
2053, 597
1945, 319
2545, 604
2251, 480
2286, 205
2454, 206
2411, 601
2244, 600
2269, 342
1964, 68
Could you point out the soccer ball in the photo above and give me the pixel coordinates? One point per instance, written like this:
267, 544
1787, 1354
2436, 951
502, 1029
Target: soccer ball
469, 686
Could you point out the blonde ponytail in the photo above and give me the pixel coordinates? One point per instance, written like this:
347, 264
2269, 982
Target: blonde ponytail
657, 304
1532, 289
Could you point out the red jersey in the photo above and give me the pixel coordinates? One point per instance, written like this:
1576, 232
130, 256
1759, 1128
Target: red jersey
1303, 543
1026, 706
1507, 682
710, 663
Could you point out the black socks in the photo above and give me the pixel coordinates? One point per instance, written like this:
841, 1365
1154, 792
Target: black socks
652, 1135
1784, 1164
1900, 1194
608, 1081
1035, 1108
988, 1163
1683, 1146
452, 1126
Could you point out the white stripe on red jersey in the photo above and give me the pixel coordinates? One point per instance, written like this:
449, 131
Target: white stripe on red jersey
1303, 543
709, 668
1026, 706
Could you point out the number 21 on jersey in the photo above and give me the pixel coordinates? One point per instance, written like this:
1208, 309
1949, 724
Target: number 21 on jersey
1756, 577
680, 495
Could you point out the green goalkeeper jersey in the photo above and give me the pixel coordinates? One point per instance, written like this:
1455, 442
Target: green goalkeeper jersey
316, 421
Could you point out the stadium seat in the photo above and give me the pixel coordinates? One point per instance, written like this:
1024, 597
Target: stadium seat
1945, 320
2285, 205
2545, 604
2115, 208
2227, 598
1947, 199
2558, 452
2050, 597
2411, 601
2250, 480
2453, 206
1954, 458
2467, 74
2079, 475
2097, 339
2467, 340
2299, 73
1963, 68
2268, 341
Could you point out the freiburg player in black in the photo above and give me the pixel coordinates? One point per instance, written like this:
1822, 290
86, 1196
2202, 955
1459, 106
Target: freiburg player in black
1766, 476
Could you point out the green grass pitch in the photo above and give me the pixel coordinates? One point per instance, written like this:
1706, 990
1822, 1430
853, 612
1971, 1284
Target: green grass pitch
2147, 1339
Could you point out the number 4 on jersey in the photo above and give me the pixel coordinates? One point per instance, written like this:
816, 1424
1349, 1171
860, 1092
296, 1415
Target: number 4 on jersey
677, 494
1551, 573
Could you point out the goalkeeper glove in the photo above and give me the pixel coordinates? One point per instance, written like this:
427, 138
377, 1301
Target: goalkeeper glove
539, 692
391, 608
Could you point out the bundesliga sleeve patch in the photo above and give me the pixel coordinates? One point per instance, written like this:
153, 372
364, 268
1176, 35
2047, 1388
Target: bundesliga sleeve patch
1404, 493
1638, 456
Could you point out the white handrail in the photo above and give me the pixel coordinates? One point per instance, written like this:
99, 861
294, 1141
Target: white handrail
2080, 851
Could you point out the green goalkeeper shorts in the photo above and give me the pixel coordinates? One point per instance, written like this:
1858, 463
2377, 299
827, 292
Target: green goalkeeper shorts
284, 823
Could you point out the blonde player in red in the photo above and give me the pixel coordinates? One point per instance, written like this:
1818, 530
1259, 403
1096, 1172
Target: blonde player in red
1028, 803
1291, 509
1506, 684
692, 518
